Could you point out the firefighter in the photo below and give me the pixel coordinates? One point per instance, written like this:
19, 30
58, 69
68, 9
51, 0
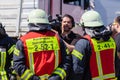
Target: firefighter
40, 53
7, 46
94, 55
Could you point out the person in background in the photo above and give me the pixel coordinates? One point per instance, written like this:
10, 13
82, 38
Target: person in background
115, 28
94, 55
7, 46
69, 37
40, 54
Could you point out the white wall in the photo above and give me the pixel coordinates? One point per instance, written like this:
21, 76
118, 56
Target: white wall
9, 13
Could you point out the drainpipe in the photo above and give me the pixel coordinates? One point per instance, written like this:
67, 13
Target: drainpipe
61, 7
19, 19
82, 4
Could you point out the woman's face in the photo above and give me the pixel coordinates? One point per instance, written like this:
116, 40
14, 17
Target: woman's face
66, 24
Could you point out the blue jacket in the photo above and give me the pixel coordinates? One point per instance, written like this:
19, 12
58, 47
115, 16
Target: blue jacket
9, 44
81, 70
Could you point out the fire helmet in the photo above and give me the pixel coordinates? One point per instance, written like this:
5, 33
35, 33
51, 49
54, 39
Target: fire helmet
38, 16
91, 19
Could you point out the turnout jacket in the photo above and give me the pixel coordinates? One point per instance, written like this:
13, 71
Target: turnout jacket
42, 69
7, 46
84, 68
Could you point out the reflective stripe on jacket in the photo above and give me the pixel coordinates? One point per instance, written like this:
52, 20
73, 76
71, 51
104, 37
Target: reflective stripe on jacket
2, 63
7, 46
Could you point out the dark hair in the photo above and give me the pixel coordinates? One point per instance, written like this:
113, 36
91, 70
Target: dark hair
2, 31
72, 19
117, 19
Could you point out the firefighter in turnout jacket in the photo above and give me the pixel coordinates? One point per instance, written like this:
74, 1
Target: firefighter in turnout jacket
40, 53
94, 55
7, 46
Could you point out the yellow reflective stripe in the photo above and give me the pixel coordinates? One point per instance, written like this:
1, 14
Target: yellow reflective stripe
11, 49
115, 78
112, 75
16, 51
99, 64
77, 54
2, 64
56, 59
67, 51
26, 75
4, 77
3, 60
31, 62
61, 72
3, 74
44, 77
107, 76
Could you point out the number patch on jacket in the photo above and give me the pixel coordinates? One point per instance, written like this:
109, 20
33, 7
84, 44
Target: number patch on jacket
42, 44
104, 46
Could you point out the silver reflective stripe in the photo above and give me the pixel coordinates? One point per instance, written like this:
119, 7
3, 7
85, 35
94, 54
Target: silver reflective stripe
105, 77
2, 63
61, 72
31, 62
56, 58
99, 64
3, 58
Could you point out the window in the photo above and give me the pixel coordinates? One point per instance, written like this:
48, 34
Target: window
83, 3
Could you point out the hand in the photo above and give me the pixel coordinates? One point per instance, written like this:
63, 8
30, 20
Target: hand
70, 47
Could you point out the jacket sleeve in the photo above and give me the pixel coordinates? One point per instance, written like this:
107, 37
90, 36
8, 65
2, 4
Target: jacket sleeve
63, 70
117, 60
9, 44
19, 63
80, 56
